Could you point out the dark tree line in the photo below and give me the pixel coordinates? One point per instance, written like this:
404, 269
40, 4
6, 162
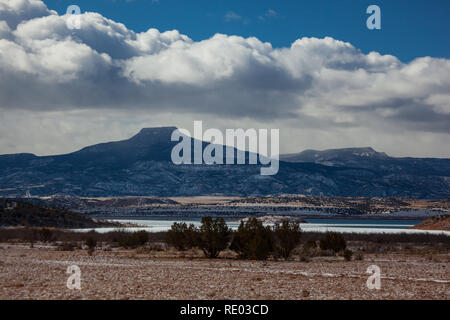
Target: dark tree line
252, 240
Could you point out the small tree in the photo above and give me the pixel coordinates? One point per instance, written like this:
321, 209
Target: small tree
287, 237
91, 244
46, 234
333, 241
308, 246
213, 236
348, 254
181, 236
252, 240
133, 240
31, 236
141, 237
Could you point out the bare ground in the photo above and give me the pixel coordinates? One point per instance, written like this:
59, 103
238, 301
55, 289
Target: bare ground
40, 273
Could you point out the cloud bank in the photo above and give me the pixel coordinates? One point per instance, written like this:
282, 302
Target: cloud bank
326, 92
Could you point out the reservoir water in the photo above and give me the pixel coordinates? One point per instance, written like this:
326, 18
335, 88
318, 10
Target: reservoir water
312, 225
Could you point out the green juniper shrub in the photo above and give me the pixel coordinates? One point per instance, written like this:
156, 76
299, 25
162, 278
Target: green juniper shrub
31, 235
45, 234
181, 236
141, 237
309, 247
213, 236
359, 256
134, 239
193, 236
347, 254
252, 240
333, 241
287, 237
91, 243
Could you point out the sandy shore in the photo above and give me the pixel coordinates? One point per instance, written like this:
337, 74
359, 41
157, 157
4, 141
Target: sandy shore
40, 273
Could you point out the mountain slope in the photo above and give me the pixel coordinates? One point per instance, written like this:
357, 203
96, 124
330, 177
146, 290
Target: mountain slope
20, 213
142, 166
329, 156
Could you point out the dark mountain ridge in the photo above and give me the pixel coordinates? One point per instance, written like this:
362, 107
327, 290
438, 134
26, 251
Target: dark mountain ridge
368, 158
330, 154
141, 166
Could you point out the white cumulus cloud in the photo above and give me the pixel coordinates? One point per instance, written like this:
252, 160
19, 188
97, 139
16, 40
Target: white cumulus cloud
323, 89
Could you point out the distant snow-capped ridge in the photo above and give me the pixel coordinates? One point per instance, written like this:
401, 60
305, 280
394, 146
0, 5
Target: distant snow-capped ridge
142, 166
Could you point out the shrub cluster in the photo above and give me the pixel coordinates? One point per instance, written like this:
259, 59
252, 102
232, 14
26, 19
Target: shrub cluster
252, 240
91, 243
134, 239
287, 237
181, 236
212, 237
333, 241
347, 254
31, 235
309, 247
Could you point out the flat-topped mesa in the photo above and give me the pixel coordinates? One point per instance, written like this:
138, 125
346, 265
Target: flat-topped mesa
153, 135
148, 132
145, 139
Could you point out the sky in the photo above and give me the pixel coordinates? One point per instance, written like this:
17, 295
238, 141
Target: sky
410, 28
310, 68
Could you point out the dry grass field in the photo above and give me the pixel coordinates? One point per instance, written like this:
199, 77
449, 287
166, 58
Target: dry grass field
40, 273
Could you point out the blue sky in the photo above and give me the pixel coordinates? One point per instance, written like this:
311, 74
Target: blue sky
101, 82
410, 28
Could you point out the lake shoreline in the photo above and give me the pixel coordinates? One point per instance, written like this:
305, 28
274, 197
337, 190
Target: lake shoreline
321, 217
368, 226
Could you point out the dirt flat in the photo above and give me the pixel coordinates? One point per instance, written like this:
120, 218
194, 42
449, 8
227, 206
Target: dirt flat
204, 199
436, 223
40, 273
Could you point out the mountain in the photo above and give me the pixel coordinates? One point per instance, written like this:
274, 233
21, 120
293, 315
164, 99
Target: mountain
347, 156
150, 144
368, 158
141, 166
